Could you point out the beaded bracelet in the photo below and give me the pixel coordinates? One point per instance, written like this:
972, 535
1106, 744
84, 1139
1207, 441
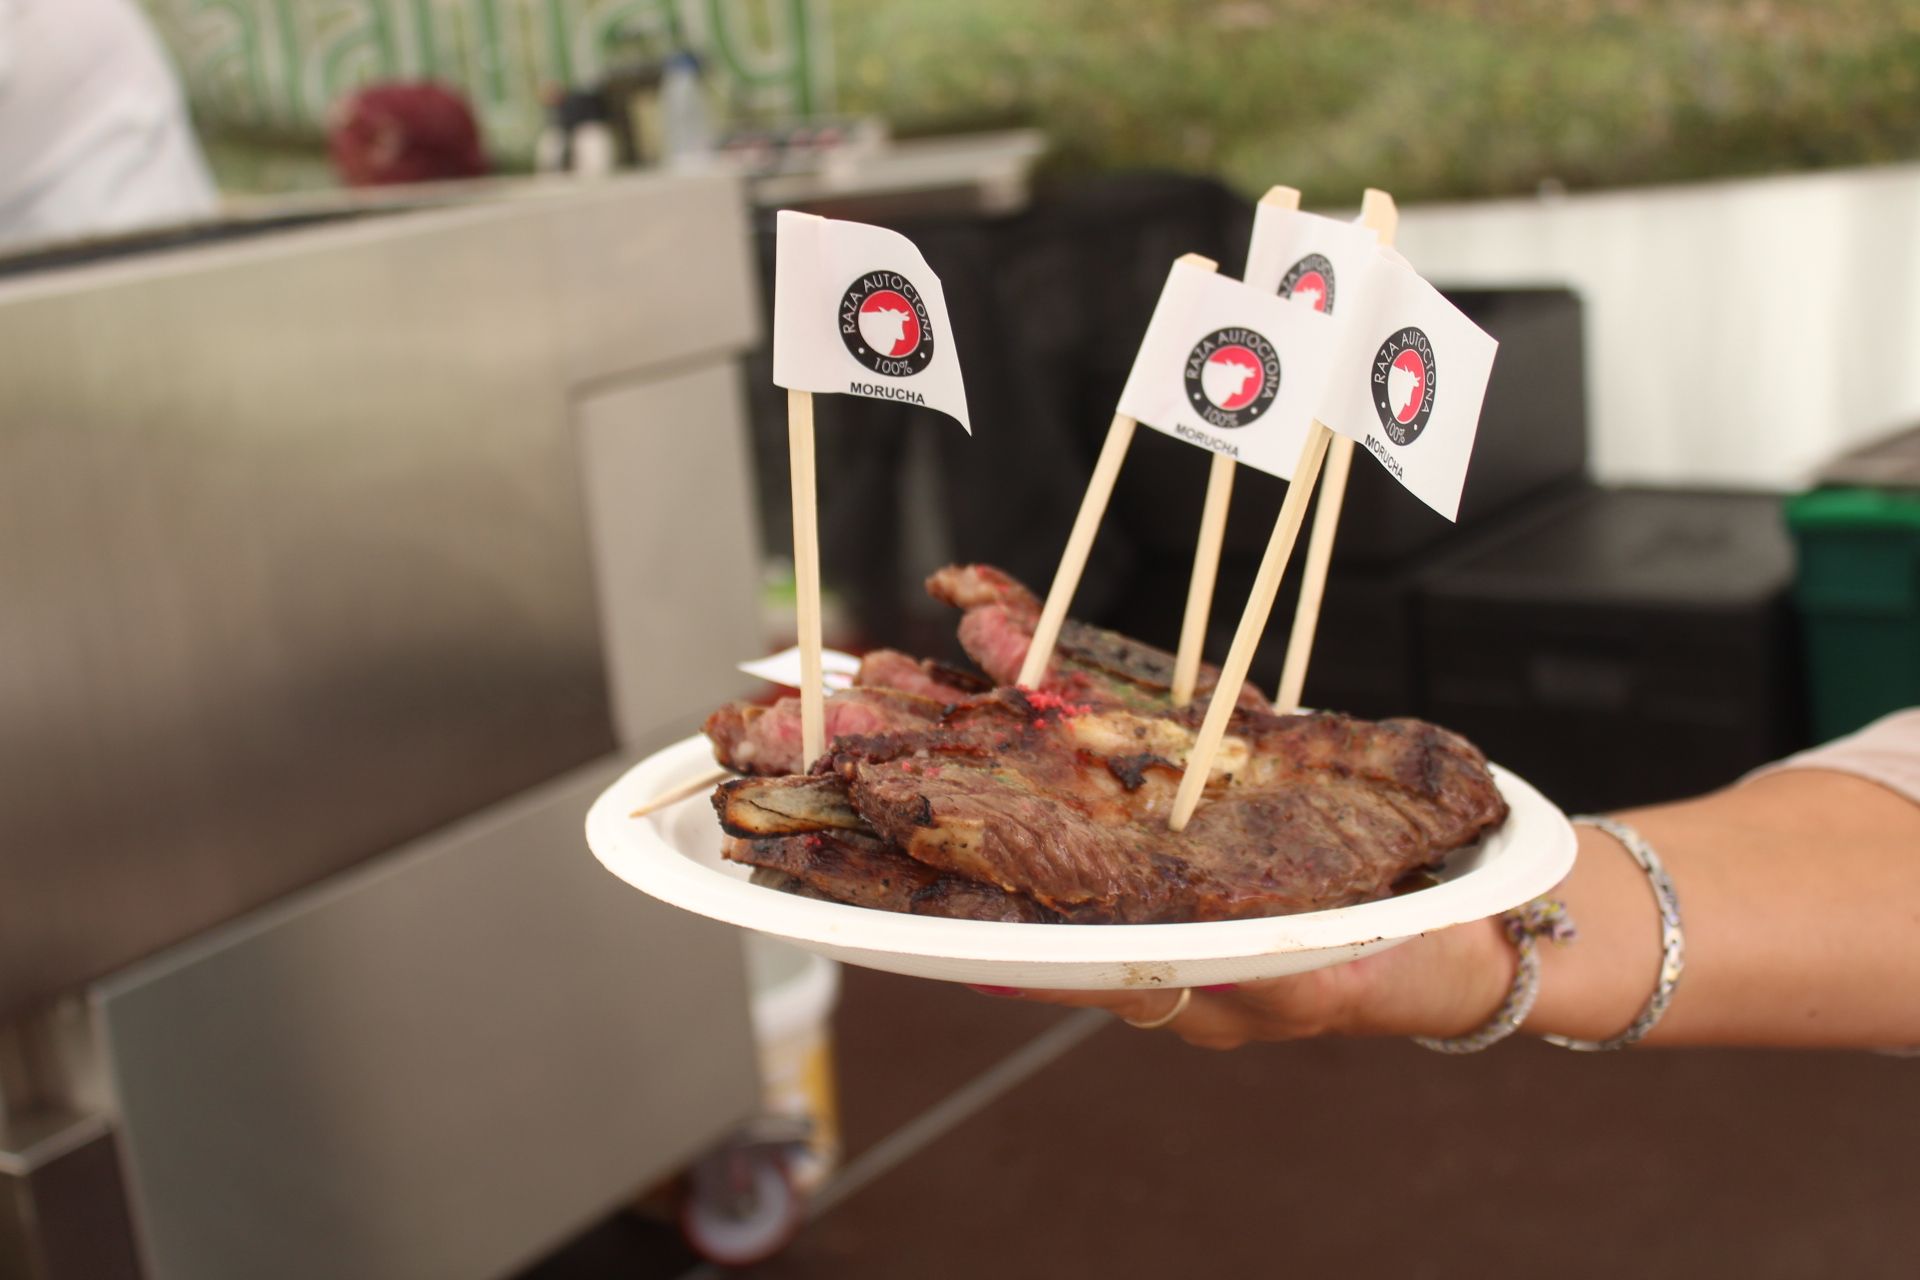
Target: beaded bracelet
1542, 918
1673, 943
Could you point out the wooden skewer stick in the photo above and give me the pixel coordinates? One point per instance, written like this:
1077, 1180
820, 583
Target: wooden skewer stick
1213, 528
1377, 211
1253, 621
806, 575
691, 787
1206, 570
1073, 560
1206, 564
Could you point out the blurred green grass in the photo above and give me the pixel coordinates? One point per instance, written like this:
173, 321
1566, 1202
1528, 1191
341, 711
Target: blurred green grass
1434, 99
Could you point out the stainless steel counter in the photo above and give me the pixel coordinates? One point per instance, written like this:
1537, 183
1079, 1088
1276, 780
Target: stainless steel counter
298, 573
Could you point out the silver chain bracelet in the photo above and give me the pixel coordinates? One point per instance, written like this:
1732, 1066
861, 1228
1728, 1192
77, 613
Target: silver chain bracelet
1542, 918
1547, 918
1673, 942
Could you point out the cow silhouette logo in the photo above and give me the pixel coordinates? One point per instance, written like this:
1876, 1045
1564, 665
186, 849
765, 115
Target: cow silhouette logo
885, 324
1310, 280
1405, 382
1232, 377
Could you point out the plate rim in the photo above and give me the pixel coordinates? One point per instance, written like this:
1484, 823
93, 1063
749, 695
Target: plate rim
631, 849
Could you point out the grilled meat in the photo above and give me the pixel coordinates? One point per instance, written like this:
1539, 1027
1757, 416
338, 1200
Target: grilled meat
891, 669
894, 691
1088, 665
866, 871
766, 740
1304, 812
939, 796
1065, 806
753, 807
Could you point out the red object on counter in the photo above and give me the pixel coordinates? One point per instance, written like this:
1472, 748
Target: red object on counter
388, 134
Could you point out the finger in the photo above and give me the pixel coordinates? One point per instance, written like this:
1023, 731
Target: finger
1201, 1019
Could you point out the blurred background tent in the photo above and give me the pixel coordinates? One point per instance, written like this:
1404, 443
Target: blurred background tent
1331, 93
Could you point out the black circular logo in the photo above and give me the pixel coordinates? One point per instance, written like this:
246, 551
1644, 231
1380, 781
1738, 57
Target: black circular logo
1405, 380
1232, 376
885, 324
1310, 280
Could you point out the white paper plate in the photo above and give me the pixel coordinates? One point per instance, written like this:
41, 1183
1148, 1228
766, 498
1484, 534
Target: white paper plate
675, 856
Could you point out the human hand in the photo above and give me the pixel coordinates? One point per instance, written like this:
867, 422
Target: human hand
1439, 984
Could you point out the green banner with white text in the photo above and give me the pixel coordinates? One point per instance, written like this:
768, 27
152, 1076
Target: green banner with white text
280, 64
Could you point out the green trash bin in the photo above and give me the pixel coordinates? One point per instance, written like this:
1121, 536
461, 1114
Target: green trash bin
1858, 596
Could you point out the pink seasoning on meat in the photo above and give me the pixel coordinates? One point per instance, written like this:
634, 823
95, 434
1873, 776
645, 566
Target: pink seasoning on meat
1047, 700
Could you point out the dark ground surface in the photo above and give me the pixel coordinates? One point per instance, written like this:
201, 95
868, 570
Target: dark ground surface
1133, 1155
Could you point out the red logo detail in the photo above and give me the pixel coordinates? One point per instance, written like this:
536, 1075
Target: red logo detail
890, 301
1313, 283
1409, 362
1234, 377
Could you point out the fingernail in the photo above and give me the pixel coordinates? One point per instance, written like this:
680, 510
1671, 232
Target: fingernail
993, 991
1222, 986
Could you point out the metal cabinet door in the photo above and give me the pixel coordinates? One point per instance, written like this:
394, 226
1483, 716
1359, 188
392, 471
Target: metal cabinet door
438, 1065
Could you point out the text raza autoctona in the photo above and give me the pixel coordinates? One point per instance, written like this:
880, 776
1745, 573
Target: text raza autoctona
1204, 440
884, 392
1380, 451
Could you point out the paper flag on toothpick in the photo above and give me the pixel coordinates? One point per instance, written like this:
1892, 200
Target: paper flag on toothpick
1407, 383
1308, 258
857, 311
1230, 368
836, 669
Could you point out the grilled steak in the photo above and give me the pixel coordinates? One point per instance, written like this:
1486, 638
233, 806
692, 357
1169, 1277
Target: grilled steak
865, 871
936, 797
766, 740
1088, 664
753, 807
891, 669
894, 691
1065, 806
1304, 812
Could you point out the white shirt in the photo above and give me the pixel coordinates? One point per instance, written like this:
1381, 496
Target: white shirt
94, 135
1886, 751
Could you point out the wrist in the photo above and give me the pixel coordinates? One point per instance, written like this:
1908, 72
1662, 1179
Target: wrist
1441, 984
1594, 990
1526, 927
1488, 961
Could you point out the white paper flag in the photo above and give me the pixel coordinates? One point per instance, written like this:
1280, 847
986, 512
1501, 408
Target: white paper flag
857, 311
1230, 368
837, 669
1309, 258
1407, 383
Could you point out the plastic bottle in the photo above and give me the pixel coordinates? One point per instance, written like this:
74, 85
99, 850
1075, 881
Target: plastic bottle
686, 127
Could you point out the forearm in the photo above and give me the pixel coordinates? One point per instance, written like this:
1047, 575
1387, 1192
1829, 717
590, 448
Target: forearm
1800, 895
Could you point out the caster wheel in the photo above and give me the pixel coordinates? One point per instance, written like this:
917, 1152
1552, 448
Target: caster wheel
741, 1207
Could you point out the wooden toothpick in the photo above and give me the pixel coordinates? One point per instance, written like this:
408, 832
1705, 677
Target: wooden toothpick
1377, 211
1213, 528
1206, 563
1093, 508
1206, 571
1253, 621
806, 575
